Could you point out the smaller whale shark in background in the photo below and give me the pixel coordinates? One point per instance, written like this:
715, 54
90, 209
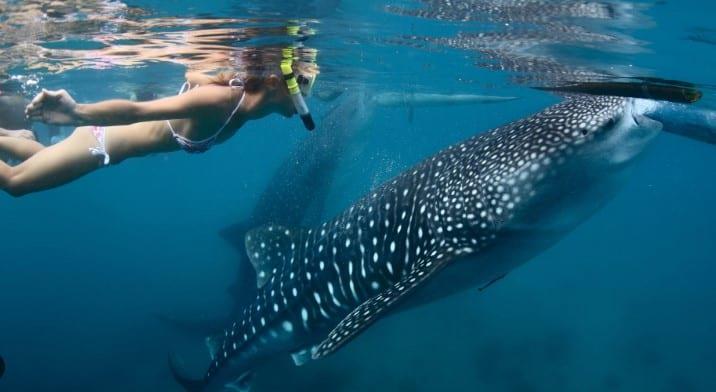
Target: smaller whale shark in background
296, 193
460, 219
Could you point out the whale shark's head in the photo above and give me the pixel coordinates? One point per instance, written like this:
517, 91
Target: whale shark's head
621, 135
575, 155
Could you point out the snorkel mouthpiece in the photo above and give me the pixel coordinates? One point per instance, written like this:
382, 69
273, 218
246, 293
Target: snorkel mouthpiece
296, 97
308, 121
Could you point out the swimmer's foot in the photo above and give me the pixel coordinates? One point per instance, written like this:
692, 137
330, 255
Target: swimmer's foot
21, 134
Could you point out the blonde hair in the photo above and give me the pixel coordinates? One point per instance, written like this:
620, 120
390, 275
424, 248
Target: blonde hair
255, 65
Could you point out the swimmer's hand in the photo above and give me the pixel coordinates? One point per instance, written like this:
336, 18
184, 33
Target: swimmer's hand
53, 107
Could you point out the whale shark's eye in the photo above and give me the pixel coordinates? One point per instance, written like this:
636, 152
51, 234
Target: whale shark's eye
584, 131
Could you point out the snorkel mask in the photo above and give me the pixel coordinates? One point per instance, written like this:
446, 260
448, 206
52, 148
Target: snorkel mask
297, 89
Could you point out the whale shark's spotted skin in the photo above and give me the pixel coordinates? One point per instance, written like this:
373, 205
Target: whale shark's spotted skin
321, 287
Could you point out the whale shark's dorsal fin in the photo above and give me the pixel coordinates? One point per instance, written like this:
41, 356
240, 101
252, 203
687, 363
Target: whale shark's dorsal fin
369, 311
213, 345
269, 247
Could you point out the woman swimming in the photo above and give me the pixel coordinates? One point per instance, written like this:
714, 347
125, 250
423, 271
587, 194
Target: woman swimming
208, 111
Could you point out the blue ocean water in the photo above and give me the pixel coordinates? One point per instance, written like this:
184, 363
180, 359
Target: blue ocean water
623, 303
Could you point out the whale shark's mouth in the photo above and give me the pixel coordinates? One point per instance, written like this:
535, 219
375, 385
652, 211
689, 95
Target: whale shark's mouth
630, 141
640, 111
638, 119
625, 138
645, 122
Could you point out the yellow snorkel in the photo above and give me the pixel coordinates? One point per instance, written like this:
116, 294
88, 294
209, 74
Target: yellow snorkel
295, 91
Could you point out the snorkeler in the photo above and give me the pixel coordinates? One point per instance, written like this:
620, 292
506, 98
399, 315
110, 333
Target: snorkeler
207, 111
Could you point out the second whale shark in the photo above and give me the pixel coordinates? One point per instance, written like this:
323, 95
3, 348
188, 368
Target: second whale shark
462, 218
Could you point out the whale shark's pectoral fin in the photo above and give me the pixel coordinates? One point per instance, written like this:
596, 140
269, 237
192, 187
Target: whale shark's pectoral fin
368, 312
268, 248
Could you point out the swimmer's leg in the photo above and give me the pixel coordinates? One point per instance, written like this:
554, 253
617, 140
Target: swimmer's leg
53, 166
19, 144
20, 133
19, 148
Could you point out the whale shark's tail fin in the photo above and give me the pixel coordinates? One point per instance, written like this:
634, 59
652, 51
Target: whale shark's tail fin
180, 375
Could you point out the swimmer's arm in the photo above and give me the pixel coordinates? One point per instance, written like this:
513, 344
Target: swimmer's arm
197, 103
58, 107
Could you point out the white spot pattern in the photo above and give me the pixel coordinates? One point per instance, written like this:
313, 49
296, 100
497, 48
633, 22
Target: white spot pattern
451, 204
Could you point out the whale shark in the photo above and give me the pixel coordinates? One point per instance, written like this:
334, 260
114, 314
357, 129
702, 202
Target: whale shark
296, 193
461, 219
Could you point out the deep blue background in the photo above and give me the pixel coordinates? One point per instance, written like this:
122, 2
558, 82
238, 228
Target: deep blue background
626, 302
